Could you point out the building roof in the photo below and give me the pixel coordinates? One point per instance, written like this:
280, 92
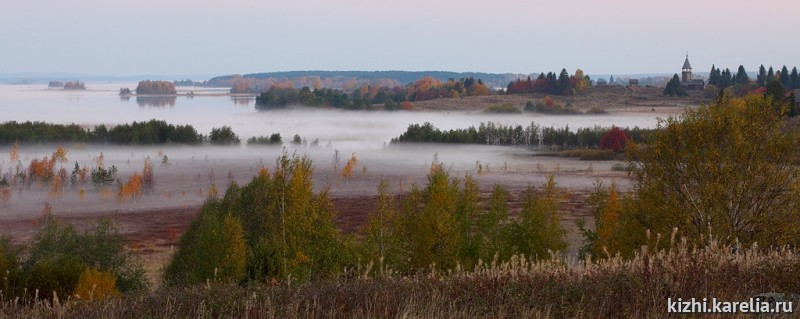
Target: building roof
686, 64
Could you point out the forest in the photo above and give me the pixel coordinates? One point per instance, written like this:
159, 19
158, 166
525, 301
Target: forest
351, 80
135, 133
366, 97
550, 83
532, 136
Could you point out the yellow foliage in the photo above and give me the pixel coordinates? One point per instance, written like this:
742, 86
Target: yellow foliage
607, 225
347, 171
96, 285
60, 154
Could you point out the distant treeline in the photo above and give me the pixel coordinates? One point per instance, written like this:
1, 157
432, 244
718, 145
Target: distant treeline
350, 80
136, 133
367, 96
534, 135
562, 84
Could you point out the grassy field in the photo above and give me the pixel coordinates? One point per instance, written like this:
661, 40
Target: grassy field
599, 98
554, 288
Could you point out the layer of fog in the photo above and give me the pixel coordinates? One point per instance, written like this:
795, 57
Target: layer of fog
339, 129
184, 179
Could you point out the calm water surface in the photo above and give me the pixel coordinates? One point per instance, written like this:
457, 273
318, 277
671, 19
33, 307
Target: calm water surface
208, 108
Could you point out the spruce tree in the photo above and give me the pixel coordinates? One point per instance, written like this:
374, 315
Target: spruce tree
762, 76
563, 82
741, 76
713, 76
770, 75
785, 80
674, 87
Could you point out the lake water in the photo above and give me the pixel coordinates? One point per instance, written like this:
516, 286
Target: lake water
347, 129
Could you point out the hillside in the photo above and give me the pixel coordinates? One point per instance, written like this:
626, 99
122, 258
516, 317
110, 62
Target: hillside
339, 78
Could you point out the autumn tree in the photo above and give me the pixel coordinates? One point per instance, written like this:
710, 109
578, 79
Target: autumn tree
381, 241
539, 230
615, 140
60, 154
727, 171
347, 170
131, 188
148, 180
288, 229
607, 223
13, 155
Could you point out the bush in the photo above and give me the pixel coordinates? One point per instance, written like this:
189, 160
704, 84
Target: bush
223, 136
505, 108
57, 275
274, 139
9, 264
101, 248
588, 154
597, 155
212, 248
596, 110
95, 285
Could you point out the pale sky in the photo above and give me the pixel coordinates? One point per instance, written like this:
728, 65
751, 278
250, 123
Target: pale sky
114, 37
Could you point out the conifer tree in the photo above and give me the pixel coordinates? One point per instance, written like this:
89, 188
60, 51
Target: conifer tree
674, 87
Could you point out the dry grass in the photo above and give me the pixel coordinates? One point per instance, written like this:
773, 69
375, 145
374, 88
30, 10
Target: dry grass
596, 98
554, 288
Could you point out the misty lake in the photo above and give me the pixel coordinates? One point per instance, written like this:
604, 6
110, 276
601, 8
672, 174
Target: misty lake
211, 107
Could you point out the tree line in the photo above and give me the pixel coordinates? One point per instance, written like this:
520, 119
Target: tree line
276, 227
367, 96
766, 80
135, 133
533, 135
550, 83
349, 80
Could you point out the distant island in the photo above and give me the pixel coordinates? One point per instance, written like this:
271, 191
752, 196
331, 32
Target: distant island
156, 88
74, 85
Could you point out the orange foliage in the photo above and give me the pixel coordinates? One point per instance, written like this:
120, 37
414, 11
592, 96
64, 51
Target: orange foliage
132, 188
407, 106
347, 171
5, 195
549, 101
14, 154
42, 170
57, 188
